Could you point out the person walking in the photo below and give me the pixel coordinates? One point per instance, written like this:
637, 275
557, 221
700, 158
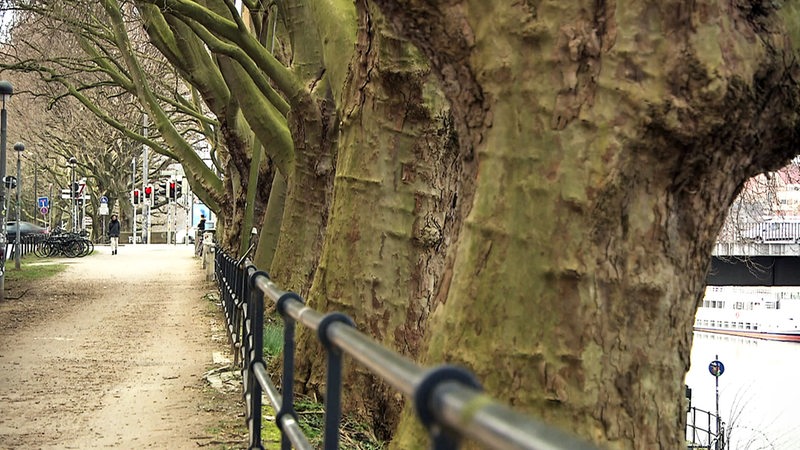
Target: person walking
201, 228
113, 233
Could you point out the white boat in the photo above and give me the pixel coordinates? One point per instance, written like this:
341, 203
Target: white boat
771, 313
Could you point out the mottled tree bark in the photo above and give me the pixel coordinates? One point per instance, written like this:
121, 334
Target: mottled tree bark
385, 241
605, 141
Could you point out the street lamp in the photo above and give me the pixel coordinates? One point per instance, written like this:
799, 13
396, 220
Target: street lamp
74, 205
6, 89
19, 147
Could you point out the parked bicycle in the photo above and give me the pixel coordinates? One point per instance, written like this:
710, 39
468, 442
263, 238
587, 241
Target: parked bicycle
61, 243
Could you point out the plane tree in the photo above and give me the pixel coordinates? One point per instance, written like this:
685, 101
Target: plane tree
286, 101
405, 126
604, 143
550, 199
73, 50
56, 128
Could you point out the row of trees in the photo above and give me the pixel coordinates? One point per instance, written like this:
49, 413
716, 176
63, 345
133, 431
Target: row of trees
531, 189
56, 128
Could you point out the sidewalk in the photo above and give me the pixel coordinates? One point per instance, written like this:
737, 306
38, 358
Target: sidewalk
111, 353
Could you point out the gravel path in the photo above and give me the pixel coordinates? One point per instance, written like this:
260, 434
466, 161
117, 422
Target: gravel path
111, 354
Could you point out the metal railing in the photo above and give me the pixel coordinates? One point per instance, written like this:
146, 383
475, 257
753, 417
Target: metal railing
704, 430
27, 245
448, 400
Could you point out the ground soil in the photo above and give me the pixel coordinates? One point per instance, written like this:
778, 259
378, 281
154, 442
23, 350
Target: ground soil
112, 353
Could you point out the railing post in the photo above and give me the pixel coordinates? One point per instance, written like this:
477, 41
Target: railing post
333, 394
287, 396
218, 265
241, 287
257, 333
424, 394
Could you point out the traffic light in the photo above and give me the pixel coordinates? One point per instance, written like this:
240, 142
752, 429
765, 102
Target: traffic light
148, 193
136, 196
172, 191
76, 189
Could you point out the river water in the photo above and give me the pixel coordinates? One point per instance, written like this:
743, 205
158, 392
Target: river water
759, 393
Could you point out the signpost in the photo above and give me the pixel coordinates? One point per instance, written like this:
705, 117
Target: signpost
103, 211
716, 368
44, 206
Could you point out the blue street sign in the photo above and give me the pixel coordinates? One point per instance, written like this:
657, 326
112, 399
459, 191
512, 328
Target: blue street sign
716, 368
104, 199
43, 202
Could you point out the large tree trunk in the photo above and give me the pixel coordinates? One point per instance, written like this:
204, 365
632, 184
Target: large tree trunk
308, 195
314, 126
394, 187
609, 141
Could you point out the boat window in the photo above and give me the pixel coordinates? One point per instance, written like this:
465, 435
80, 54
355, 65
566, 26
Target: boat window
738, 305
741, 325
747, 326
770, 305
755, 326
726, 324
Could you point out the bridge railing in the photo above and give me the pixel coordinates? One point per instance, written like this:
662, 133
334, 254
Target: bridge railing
448, 400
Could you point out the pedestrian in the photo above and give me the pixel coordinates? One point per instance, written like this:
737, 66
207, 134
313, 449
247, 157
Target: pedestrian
201, 228
113, 233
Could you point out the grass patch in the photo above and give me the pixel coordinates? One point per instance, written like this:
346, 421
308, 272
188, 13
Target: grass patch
311, 415
33, 269
270, 434
358, 436
273, 338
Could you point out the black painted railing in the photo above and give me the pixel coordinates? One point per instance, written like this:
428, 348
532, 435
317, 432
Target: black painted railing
448, 400
704, 430
27, 245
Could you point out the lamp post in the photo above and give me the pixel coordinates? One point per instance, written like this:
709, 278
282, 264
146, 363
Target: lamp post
146, 220
73, 204
6, 89
19, 147
133, 201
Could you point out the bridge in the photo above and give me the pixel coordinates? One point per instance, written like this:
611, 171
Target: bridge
755, 264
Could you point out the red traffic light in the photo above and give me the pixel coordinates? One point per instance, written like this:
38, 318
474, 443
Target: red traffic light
136, 195
148, 190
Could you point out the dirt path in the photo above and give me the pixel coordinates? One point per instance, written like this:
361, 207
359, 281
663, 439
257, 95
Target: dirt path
111, 354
